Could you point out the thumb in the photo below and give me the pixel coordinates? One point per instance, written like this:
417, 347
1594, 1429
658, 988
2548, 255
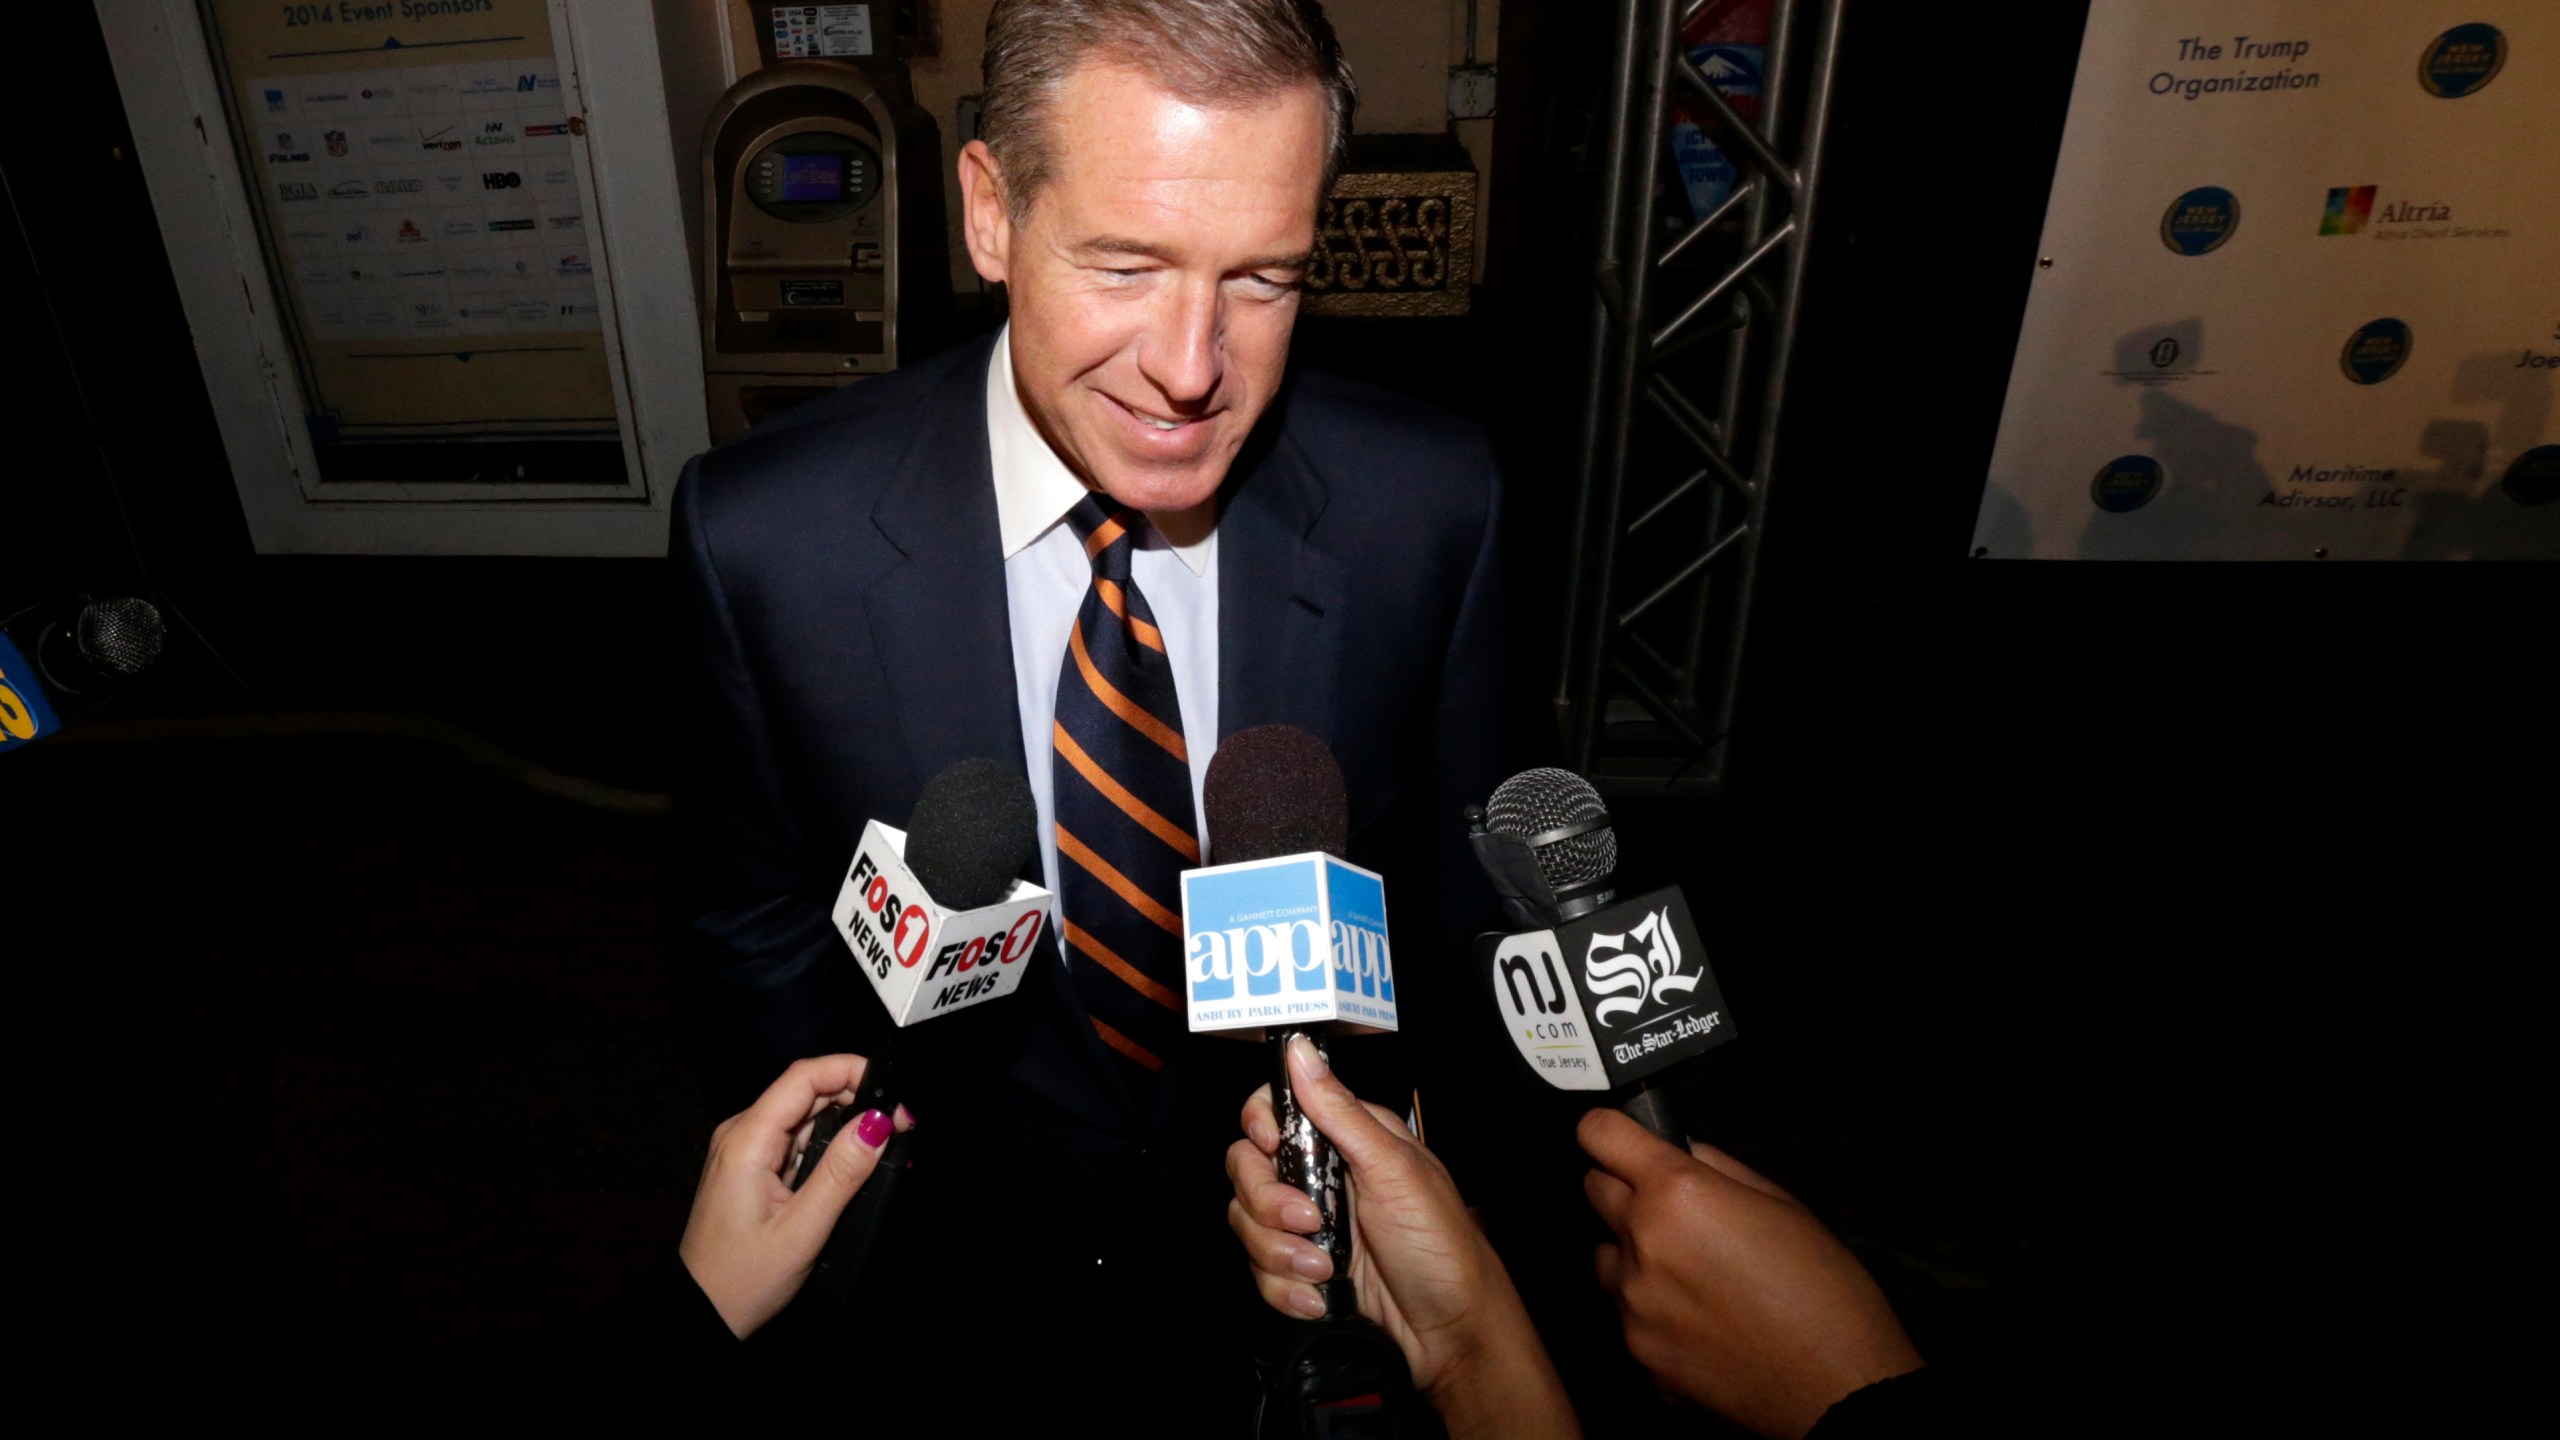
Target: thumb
1338, 1114
849, 1161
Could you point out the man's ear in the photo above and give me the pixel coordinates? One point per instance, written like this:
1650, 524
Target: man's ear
983, 220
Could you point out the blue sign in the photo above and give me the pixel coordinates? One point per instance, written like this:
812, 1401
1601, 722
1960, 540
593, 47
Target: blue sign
1298, 940
2535, 477
2463, 60
25, 715
2126, 483
2198, 222
2376, 352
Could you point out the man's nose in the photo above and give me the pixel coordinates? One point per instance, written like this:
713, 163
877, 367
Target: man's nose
1181, 355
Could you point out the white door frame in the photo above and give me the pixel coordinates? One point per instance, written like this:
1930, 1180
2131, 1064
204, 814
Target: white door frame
627, 181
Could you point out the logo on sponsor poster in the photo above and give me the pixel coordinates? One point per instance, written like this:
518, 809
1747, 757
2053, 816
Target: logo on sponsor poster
349, 190
275, 102
568, 222
2376, 351
520, 222
401, 186
2198, 222
560, 127
2534, 478
443, 139
2349, 207
284, 153
291, 190
500, 180
495, 132
409, 234
359, 233
336, 140
2463, 60
2126, 483
2168, 357
572, 267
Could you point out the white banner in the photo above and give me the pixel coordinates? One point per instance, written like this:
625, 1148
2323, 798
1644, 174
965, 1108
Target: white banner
2298, 295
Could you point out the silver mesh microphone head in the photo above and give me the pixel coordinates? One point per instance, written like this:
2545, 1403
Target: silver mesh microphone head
1534, 802
120, 635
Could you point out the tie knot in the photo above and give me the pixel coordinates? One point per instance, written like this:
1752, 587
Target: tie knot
1109, 531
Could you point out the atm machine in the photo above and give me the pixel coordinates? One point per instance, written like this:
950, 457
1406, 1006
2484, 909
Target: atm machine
823, 248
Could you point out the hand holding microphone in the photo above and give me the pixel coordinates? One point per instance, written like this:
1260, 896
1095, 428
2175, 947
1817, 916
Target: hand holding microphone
1420, 1268
1733, 1295
752, 1240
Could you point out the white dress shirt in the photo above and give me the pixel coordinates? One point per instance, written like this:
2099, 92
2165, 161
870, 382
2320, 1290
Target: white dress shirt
1046, 577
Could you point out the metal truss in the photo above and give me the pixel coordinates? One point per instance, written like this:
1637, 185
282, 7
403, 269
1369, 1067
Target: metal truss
1693, 334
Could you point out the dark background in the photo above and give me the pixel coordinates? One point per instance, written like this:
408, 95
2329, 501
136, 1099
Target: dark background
2134, 962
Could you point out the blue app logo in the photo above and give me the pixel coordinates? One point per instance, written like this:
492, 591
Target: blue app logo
1361, 964
25, 715
1261, 926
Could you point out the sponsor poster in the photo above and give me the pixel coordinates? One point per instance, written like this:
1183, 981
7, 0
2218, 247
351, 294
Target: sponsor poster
413, 173
2298, 295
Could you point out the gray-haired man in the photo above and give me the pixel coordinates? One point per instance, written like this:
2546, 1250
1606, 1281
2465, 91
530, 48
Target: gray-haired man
1095, 543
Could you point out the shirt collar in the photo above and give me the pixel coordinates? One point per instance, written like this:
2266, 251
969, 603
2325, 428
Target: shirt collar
1034, 488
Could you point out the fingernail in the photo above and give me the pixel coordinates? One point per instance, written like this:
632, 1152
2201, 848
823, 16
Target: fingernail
1307, 1303
1310, 1058
906, 1118
873, 1129
1301, 1216
1310, 1265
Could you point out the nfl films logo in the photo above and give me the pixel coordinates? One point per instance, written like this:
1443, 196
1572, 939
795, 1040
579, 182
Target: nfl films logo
1300, 940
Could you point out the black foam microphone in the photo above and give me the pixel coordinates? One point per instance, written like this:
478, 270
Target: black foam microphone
1284, 939
940, 922
60, 661
1595, 993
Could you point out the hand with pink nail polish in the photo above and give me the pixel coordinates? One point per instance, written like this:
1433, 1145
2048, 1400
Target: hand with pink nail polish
1419, 1265
752, 1240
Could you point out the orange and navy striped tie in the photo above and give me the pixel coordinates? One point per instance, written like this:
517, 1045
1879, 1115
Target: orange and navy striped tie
1122, 801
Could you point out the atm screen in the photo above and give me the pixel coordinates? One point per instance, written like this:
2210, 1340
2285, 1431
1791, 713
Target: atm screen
812, 179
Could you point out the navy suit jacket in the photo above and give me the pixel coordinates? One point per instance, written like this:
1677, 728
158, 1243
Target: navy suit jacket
842, 611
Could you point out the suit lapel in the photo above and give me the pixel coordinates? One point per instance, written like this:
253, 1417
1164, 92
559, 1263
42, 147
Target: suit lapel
1281, 597
939, 617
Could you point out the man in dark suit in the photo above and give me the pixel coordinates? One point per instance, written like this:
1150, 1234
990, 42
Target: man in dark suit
1092, 545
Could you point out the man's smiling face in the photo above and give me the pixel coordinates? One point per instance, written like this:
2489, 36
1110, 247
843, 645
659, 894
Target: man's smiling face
1153, 285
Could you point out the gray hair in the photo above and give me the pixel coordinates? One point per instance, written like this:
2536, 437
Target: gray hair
1209, 52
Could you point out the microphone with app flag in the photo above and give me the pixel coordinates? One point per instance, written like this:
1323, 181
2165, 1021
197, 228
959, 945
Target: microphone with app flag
59, 662
1283, 937
939, 921
1597, 993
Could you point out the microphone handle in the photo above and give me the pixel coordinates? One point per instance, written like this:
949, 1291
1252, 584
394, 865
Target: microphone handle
1307, 1161
1650, 1106
830, 1289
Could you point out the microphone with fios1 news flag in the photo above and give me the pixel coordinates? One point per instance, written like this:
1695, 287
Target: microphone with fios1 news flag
939, 921
1285, 938
1597, 993
58, 662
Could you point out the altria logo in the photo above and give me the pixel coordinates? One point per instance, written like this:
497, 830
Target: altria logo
1635, 968
1296, 949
